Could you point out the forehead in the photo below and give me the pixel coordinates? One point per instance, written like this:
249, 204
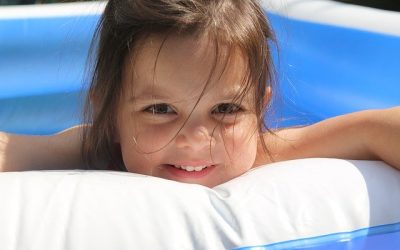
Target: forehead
185, 64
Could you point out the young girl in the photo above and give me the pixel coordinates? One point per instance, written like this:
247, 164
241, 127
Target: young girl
179, 91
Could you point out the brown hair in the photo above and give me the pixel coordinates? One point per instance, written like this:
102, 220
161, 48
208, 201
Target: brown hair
235, 23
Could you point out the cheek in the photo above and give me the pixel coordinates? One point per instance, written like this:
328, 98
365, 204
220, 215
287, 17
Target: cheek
145, 136
142, 145
134, 161
240, 144
152, 138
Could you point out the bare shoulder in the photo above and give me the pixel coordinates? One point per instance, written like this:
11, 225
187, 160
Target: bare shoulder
33, 152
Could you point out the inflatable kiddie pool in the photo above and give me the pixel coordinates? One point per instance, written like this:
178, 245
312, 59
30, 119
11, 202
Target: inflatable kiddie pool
326, 68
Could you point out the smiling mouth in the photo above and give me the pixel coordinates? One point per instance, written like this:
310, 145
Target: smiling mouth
186, 171
190, 168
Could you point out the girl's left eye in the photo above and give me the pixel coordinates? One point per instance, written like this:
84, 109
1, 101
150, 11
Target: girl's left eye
227, 109
159, 108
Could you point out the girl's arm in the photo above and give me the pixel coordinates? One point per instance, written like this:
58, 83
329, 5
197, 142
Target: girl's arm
59, 151
367, 135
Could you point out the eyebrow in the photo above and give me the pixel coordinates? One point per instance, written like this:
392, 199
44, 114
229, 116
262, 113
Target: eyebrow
164, 94
147, 97
151, 93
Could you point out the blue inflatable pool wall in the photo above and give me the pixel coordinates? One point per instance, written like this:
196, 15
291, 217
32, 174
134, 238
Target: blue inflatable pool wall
323, 71
42, 72
326, 70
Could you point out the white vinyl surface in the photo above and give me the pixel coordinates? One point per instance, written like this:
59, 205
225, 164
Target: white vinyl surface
337, 13
83, 210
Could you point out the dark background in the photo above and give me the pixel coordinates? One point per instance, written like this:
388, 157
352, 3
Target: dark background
14, 2
380, 4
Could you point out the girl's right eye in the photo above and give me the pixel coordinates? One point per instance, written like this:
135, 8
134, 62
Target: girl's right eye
159, 108
227, 109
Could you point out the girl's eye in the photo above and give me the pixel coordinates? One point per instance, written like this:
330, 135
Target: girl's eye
227, 109
159, 108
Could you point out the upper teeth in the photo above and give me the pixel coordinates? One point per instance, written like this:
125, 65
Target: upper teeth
191, 168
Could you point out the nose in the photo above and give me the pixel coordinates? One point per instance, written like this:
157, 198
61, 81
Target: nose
195, 136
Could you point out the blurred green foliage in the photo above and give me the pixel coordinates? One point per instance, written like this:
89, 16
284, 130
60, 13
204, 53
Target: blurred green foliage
16, 2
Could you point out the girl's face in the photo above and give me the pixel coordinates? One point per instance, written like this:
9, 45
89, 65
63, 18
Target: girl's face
166, 130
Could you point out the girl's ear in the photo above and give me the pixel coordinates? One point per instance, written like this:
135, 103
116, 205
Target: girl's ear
268, 95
